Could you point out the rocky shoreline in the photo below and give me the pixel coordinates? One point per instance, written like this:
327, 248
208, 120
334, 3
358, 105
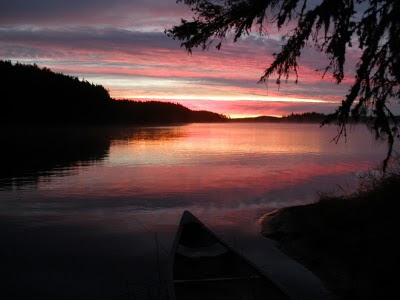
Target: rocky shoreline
348, 242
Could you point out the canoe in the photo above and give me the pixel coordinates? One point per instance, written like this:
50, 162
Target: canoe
203, 266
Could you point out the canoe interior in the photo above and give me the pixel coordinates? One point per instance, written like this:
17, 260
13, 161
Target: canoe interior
207, 268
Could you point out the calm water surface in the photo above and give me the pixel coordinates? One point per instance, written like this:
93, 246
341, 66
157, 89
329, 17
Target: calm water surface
79, 209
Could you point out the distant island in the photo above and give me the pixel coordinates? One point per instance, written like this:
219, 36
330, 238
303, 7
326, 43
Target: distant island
41, 97
308, 117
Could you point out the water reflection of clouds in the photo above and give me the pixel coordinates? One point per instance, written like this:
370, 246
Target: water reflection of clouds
189, 159
94, 227
233, 144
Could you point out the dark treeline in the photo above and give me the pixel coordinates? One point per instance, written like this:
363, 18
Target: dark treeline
308, 117
37, 96
128, 111
34, 96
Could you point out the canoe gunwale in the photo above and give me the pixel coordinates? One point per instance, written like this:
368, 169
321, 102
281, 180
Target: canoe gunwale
188, 217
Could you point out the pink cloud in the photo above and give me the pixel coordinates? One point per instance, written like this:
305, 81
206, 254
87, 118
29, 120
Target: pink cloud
147, 64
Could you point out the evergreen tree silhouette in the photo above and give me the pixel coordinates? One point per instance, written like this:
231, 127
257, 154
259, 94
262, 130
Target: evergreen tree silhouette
331, 26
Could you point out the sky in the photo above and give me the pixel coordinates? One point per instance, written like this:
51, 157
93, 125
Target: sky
121, 45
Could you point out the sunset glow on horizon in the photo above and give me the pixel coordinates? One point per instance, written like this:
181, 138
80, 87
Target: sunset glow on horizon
122, 46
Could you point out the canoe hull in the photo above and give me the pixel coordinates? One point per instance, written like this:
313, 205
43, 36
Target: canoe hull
203, 266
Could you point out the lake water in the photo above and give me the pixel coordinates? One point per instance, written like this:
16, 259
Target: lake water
80, 208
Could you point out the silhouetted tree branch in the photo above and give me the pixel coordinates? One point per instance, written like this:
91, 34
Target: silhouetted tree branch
331, 26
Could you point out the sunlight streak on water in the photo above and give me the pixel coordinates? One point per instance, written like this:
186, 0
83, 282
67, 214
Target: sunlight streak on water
110, 190
208, 165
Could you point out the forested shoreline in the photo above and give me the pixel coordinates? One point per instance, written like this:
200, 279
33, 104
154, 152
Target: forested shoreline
35, 96
39, 96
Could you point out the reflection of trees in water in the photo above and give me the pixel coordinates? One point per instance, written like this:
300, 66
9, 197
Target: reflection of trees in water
124, 135
31, 155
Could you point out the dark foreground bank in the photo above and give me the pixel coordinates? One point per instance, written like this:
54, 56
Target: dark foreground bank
350, 241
